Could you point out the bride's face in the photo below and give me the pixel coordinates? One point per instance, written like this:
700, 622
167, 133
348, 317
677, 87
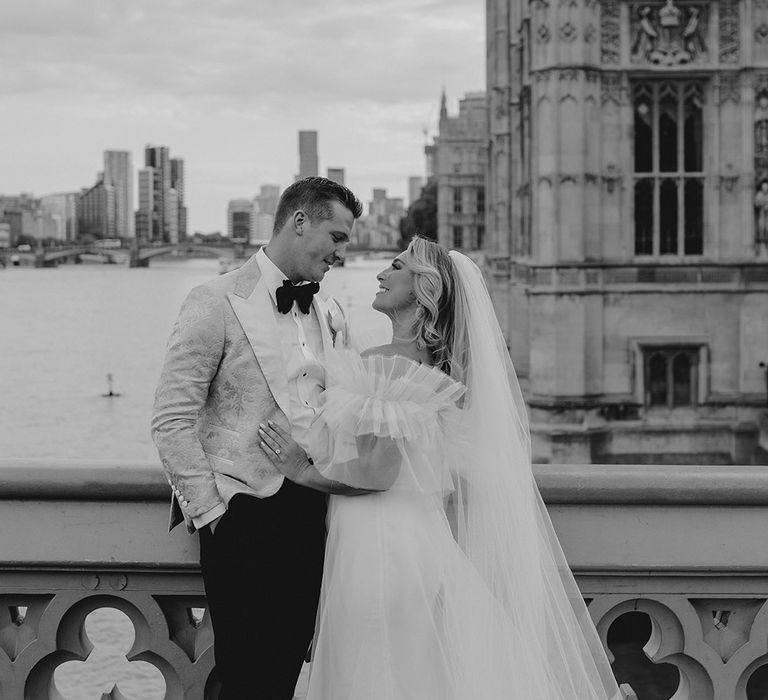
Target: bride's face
396, 291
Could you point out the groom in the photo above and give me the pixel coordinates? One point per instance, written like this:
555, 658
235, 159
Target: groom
247, 348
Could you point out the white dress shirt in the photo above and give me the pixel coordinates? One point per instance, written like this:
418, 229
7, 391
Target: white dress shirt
302, 344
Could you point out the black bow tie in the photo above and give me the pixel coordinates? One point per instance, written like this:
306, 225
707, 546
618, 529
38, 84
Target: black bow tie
302, 293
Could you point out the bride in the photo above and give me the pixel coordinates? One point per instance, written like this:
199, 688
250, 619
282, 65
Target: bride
447, 581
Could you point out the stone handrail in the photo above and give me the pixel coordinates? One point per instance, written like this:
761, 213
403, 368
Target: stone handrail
683, 545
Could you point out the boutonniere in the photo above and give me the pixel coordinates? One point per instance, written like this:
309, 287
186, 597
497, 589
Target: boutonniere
338, 325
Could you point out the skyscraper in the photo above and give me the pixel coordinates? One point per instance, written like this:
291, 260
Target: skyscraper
118, 172
307, 154
177, 183
162, 215
336, 174
146, 199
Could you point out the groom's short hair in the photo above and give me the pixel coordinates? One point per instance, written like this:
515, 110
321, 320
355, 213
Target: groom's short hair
314, 195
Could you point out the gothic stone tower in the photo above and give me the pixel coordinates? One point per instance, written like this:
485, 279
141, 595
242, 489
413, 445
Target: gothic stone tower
627, 215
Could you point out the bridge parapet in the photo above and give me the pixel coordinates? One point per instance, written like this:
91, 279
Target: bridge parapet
680, 548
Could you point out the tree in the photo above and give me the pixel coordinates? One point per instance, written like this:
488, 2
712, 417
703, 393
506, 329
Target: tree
421, 217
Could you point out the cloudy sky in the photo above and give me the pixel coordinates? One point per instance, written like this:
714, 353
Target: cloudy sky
227, 84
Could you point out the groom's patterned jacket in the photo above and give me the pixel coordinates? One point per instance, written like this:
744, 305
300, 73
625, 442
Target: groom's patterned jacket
224, 374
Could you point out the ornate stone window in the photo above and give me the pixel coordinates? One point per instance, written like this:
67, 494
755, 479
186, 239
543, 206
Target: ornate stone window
668, 167
481, 200
457, 205
671, 376
458, 236
480, 236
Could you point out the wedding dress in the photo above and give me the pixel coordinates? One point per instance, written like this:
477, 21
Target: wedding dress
451, 584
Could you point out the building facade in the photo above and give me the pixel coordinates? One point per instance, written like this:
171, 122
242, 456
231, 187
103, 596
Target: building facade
177, 185
336, 174
118, 171
379, 229
143, 217
96, 211
308, 162
268, 198
162, 214
21, 214
60, 212
628, 223
460, 152
240, 215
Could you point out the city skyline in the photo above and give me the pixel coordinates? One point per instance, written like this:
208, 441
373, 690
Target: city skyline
232, 104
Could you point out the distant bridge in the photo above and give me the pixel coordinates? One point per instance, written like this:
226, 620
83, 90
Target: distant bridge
51, 257
140, 256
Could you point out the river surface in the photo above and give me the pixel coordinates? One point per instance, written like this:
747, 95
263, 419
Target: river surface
62, 331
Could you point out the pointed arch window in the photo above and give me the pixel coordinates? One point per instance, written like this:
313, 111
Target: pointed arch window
668, 163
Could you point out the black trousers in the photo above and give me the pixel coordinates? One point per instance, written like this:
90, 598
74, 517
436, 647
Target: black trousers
262, 569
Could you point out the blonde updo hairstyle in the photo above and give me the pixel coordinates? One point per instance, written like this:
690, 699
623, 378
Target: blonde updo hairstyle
433, 285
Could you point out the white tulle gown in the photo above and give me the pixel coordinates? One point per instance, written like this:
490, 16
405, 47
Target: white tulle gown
406, 611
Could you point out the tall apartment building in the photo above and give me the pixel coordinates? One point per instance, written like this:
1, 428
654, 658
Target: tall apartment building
308, 163
460, 160
118, 172
177, 184
144, 213
162, 215
96, 211
336, 174
628, 224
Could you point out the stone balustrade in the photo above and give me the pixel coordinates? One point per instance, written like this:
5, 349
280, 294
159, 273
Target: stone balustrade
681, 550
606, 277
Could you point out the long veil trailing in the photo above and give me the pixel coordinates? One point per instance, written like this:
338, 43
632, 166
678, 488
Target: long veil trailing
504, 529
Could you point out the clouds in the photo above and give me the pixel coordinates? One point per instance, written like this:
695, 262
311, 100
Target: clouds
367, 71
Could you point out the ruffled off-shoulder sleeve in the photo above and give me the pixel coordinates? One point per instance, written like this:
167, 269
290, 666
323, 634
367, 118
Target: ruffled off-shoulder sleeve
385, 421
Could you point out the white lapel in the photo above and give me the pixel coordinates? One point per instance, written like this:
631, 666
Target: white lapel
257, 318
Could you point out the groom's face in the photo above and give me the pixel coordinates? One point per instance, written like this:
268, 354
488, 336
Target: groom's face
321, 243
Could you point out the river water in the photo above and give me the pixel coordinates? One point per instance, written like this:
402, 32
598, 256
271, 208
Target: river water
62, 331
